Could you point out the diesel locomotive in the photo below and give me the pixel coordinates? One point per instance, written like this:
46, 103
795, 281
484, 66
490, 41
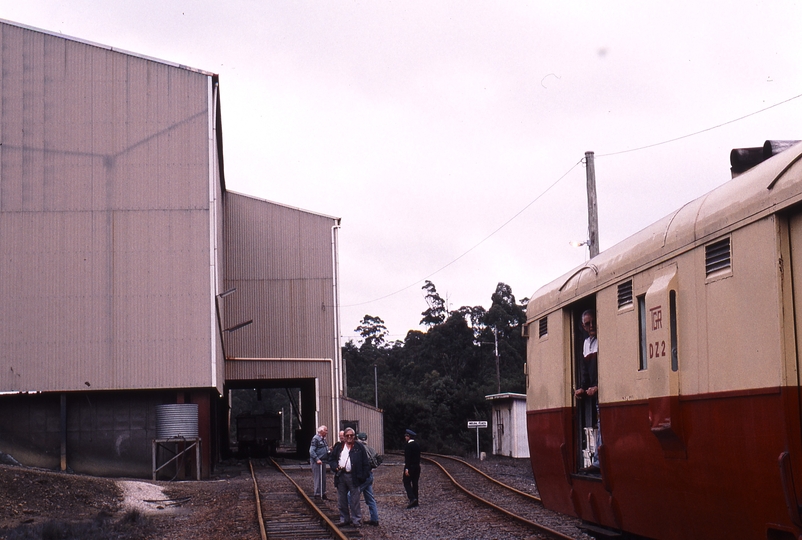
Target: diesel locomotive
697, 430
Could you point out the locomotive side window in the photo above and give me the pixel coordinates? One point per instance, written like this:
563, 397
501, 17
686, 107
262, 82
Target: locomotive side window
673, 329
642, 356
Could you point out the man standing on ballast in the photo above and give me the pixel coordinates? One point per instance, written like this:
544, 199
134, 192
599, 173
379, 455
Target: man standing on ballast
411, 468
318, 458
352, 469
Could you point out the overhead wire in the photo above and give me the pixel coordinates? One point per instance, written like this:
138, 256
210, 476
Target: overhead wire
700, 131
668, 141
479, 243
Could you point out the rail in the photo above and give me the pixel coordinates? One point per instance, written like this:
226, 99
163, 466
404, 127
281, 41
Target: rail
273, 528
432, 458
519, 492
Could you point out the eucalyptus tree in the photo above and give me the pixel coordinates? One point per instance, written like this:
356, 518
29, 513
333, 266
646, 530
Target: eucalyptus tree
438, 311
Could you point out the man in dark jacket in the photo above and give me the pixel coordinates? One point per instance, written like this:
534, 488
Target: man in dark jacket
411, 468
587, 392
351, 470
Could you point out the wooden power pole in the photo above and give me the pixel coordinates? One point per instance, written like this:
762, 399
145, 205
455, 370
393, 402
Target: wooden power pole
498, 368
593, 215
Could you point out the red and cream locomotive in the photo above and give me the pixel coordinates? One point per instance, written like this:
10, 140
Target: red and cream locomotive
699, 328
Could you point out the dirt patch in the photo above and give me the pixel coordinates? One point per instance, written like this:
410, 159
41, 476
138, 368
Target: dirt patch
36, 504
31, 496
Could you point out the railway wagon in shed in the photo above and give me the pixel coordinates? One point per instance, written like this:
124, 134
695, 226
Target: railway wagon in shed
258, 434
699, 332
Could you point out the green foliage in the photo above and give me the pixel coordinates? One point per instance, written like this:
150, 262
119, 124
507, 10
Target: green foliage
437, 380
372, 331
437, 311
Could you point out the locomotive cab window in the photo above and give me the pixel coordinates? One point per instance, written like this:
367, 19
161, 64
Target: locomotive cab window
642, 341
672, 304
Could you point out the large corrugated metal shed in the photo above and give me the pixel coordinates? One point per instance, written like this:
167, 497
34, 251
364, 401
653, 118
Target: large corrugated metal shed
108, 217
117, 242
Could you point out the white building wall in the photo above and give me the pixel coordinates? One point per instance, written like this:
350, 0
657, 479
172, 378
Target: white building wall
509, 425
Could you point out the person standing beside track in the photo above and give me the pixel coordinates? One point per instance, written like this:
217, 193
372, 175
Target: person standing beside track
339, 444
367, 487
318, 457
411, 467
352, 470
336, 448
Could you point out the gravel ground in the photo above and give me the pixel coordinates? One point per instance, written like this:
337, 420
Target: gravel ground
38, 504
443, 513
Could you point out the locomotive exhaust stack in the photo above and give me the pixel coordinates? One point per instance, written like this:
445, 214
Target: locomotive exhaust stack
743, 159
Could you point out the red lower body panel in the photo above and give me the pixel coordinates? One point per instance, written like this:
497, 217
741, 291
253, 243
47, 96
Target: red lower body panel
717, 473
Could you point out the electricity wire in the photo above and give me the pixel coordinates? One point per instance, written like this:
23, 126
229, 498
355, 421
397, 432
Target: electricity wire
558, 181
479, 243
700, 131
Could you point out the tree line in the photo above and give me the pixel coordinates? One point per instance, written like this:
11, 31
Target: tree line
435, 381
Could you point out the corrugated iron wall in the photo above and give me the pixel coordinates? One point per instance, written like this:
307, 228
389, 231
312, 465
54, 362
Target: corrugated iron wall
280, 261
104, 213
370, 419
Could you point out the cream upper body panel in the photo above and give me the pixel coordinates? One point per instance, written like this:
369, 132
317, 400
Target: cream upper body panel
730, 325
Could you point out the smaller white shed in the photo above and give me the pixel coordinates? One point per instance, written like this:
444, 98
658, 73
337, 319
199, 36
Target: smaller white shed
509, 425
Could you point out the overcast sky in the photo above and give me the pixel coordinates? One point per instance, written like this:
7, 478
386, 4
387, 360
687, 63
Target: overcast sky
426, 126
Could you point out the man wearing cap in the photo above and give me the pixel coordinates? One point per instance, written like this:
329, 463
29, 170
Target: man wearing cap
351, 471
367, 487
411, 467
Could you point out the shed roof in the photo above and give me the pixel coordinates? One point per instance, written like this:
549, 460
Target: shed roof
310, 212
506, 395
106, 47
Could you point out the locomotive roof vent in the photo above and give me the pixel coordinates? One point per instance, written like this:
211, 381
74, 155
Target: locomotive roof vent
743, 159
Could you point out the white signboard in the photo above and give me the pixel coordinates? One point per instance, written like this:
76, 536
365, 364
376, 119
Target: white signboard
477, 424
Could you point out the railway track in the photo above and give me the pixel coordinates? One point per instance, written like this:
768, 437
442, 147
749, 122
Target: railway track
284, 511
524, 508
